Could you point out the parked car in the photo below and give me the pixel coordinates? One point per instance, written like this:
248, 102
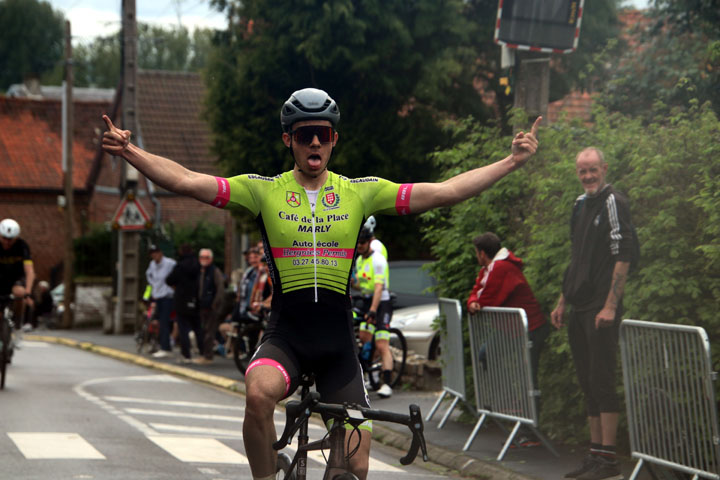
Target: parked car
415, 307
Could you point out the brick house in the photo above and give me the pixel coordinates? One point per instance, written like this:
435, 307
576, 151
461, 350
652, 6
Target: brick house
170, 124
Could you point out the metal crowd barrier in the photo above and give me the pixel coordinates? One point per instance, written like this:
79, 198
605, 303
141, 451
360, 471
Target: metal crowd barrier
503, 380
453, 358
671, 410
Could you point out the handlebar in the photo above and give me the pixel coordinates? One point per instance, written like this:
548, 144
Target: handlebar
298, 411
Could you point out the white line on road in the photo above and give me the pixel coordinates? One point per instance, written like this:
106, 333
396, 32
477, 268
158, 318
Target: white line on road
166, 413
54, 446
173, 403
198, 449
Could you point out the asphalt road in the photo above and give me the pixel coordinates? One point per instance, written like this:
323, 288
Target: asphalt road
72, 414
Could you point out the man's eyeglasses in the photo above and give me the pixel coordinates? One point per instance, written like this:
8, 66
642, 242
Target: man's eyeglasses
305, 135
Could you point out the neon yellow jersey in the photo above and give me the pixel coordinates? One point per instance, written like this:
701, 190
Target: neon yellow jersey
371, 271
310, 255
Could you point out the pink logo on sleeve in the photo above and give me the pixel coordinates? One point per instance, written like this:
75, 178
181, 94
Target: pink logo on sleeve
402, 202
223, 195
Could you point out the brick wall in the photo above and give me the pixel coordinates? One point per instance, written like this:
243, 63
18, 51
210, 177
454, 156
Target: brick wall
42, 224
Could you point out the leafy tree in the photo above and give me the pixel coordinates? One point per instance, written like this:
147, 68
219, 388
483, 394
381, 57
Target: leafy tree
393, 67
31, 40
676, 59
98, 64
200, 235
668, 169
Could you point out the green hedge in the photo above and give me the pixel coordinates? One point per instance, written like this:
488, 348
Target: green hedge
670, 171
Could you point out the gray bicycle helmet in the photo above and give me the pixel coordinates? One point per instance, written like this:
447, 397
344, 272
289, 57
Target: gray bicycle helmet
309, 104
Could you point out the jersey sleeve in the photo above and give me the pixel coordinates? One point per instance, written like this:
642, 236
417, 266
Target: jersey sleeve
383, 196
27, 259
380, 268
241, 190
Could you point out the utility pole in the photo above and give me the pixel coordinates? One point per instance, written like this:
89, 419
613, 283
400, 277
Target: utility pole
127, 312
67, 168
532, 91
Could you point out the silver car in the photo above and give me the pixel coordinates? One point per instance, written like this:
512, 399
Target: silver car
415, 307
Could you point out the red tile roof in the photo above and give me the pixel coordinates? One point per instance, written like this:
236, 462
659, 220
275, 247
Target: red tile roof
574, 105
579, 104
31, 142
170, 106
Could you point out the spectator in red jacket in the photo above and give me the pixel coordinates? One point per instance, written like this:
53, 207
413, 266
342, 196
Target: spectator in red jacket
501, 283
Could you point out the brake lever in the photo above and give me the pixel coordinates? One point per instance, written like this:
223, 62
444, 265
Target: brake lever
296, 412
418, 442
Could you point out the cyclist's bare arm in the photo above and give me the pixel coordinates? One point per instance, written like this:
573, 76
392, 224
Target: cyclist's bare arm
29, 275
164, 172
426, 196
377, 294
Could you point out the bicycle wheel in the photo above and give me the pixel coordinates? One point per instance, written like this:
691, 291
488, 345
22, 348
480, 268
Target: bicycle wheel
239, 353
283, 466
4, 344
141, 338
398, 348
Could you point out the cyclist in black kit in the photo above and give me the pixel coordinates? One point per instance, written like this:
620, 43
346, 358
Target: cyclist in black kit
17, 273
310, 218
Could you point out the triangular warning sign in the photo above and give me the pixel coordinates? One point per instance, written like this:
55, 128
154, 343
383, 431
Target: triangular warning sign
130, 215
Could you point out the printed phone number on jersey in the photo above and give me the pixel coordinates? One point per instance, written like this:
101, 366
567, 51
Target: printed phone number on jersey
326, 262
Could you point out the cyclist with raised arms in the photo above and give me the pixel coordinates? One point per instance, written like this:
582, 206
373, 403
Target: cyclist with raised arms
17, 273
310, 218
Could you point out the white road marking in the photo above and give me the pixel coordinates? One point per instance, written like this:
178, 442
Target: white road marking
210, 432
197, 449
317, 456
167, 413
173, 403
54, 446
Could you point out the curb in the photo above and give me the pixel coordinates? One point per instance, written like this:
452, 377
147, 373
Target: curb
465, 465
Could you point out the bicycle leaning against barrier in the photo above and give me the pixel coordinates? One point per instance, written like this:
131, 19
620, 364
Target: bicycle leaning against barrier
339, 418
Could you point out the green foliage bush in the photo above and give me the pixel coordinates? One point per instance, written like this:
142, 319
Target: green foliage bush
668, 168
200, 235
93, 257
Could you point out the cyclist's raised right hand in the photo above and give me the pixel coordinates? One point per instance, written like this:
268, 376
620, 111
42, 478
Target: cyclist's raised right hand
115, 141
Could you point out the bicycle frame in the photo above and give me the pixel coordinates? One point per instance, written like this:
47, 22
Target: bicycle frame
337, 463
298, 414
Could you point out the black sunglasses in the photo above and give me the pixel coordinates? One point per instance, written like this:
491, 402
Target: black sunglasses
306, 135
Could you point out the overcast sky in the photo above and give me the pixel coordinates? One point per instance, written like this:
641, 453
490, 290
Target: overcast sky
91, 18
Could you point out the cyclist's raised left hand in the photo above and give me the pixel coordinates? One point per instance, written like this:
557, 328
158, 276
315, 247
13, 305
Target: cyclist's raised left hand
115, 141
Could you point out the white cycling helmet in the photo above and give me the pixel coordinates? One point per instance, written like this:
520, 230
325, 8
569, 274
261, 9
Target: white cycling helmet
9, 228
370, 224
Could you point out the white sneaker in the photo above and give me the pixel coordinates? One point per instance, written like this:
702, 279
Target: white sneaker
385, 391
161, 354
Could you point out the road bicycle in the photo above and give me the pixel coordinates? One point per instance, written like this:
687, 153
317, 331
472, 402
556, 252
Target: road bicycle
337, 462
244, 338
6, 335
369, 359
147, 332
